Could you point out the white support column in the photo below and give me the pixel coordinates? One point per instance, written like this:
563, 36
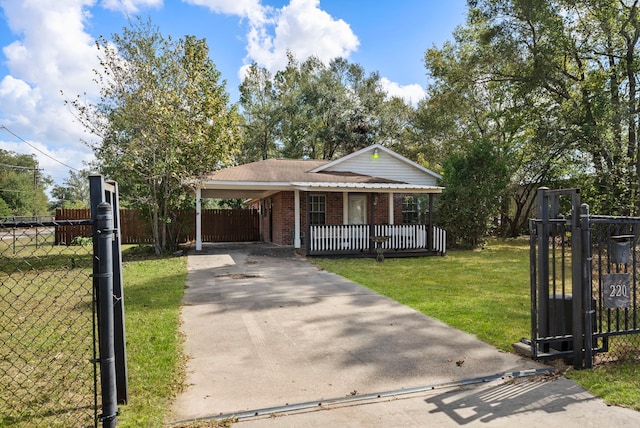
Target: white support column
390, 207
296, 209
198, 219
345, 207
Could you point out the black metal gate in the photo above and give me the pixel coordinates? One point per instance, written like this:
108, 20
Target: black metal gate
584, 276
61, 319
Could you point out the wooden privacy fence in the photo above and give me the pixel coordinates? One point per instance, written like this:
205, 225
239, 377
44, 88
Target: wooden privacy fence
232, 225
66, 234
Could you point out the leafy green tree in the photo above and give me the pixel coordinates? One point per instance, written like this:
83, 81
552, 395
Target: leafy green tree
553, 86
22, 185
164, 118
474, 183
260, 113
576, 60
73, 192
317, 110
4, 208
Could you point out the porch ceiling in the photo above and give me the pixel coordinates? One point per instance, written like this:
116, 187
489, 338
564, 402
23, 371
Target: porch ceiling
236, 194
260, 190
242, 190
366, 187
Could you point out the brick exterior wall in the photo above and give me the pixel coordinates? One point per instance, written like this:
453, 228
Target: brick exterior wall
380, 208
283, 217
334, 208
397, 208
283, 212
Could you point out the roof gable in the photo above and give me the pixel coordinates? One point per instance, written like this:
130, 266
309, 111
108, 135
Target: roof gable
381, 162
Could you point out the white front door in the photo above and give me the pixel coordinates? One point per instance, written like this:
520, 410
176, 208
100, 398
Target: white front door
357, 209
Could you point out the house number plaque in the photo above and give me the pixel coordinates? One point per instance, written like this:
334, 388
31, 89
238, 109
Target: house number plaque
616, 290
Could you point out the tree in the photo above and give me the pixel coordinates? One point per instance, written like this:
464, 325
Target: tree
260, 113
22, 185
552, 86
474, 183
73, 192
163, 118
577, 60
317, 110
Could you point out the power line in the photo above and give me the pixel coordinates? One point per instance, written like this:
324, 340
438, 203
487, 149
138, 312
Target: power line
30, 168
35, 148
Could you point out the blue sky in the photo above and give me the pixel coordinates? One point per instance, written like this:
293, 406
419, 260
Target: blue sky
47, 47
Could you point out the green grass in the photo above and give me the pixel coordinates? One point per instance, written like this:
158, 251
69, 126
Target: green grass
153, 291
617, 384
485, 293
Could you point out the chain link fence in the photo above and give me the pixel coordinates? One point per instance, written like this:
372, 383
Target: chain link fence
47, 330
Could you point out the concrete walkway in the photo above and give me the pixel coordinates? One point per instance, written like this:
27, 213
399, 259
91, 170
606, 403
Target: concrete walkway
265, 328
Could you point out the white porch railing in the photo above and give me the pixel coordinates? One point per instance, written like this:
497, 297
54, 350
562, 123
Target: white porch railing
339, 238
356, 238
439, 240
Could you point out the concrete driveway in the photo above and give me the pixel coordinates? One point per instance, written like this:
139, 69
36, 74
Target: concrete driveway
273, 339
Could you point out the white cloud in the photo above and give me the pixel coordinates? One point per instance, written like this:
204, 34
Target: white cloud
304, 29
52, 53
255, 12
409, 93
300, 27
130, 6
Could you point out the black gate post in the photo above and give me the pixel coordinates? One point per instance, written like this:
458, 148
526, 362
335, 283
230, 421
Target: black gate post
104, 230
120, 342
102, 191
587, 278
543, 267
577, 284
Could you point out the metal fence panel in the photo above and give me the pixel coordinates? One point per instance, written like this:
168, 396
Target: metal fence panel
615, 271
47, 330
585, 302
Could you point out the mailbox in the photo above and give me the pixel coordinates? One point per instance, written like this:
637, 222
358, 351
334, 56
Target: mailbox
620, 248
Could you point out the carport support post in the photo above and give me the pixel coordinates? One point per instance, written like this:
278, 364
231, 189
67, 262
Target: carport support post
198, 219
430, 228
296, 208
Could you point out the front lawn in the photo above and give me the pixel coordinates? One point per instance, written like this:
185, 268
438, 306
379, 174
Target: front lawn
153, 289
485, 293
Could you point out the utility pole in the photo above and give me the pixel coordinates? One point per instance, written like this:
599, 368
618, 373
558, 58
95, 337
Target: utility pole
35, 187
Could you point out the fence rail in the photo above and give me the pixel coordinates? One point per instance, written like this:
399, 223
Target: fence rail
218, 225
350, 238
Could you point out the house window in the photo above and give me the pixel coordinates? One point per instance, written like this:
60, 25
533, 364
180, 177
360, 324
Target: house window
415, 209
317, 209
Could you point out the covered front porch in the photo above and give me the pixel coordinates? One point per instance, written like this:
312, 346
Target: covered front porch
357, 220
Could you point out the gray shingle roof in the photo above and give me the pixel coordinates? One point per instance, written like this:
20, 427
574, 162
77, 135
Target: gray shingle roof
287, 171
